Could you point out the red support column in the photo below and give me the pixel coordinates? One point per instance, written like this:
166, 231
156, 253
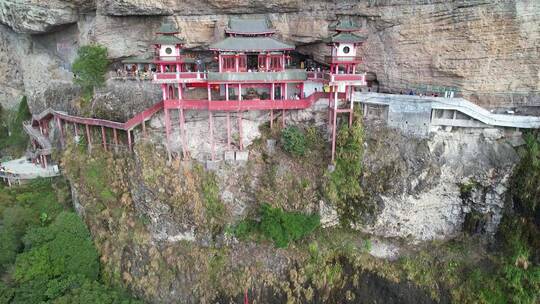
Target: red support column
240, 144
61, 130
129, 139
103, 138
167, 126
334, 125
211, 126
229, 130
351, 114
239, 91
88, 138
164, 91
180, 93
115, 135
144, 128
209, 92
272, 98
183, 133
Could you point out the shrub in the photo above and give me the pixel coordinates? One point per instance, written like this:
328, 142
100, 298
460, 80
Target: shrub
279, 226
293, 141
90, 67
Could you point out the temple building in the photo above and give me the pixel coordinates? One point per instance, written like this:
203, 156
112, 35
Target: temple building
254, 73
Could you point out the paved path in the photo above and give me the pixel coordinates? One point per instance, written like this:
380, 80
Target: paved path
457, 104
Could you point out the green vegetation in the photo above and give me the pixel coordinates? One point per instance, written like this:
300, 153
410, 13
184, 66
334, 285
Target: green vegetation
343, 185
516, 277
90, 68
12, 137
526, 182
294, 141
277, 225
466, 189
46, 251
215, 210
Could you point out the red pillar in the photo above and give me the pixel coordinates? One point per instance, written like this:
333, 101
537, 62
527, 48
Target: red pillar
88, 138
240, 144
334, 125
103, 138
183, 133
144, 128
61, 130
211, 126
115, 135
272, 98
129, 139
228, 130
167, 127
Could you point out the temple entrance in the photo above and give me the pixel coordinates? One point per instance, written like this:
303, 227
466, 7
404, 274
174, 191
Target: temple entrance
252, 62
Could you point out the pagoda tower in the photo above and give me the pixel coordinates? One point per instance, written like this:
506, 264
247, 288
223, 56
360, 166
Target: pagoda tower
343, 77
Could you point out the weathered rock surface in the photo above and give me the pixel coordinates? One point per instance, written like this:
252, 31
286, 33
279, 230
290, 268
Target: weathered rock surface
11, 78
427, 188
36, 16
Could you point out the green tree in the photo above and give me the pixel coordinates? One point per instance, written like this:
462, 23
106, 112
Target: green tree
90, 67
64, 248
343, 184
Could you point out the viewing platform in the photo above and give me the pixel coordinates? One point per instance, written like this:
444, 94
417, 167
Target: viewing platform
20, 170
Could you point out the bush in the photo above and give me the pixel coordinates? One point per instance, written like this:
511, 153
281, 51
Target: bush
90, 67
279, 226
293, 141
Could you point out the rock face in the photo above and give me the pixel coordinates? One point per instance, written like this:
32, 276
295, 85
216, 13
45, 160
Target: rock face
487, 50
35, 16
428, 189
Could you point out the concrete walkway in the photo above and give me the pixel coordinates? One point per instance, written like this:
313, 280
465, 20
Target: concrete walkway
21, 169
455, 104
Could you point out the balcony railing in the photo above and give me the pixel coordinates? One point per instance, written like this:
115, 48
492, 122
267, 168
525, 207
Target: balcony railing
342, 59
292, 74
179, 77
315, 75
357, 79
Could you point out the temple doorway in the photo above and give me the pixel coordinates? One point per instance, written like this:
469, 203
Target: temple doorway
252, 62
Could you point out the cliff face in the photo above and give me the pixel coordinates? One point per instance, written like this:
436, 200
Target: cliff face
488, 50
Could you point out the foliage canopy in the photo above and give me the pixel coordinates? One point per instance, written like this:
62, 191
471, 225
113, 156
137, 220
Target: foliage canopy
90, 67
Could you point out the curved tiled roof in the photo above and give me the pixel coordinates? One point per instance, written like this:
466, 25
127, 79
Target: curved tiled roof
250, 44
